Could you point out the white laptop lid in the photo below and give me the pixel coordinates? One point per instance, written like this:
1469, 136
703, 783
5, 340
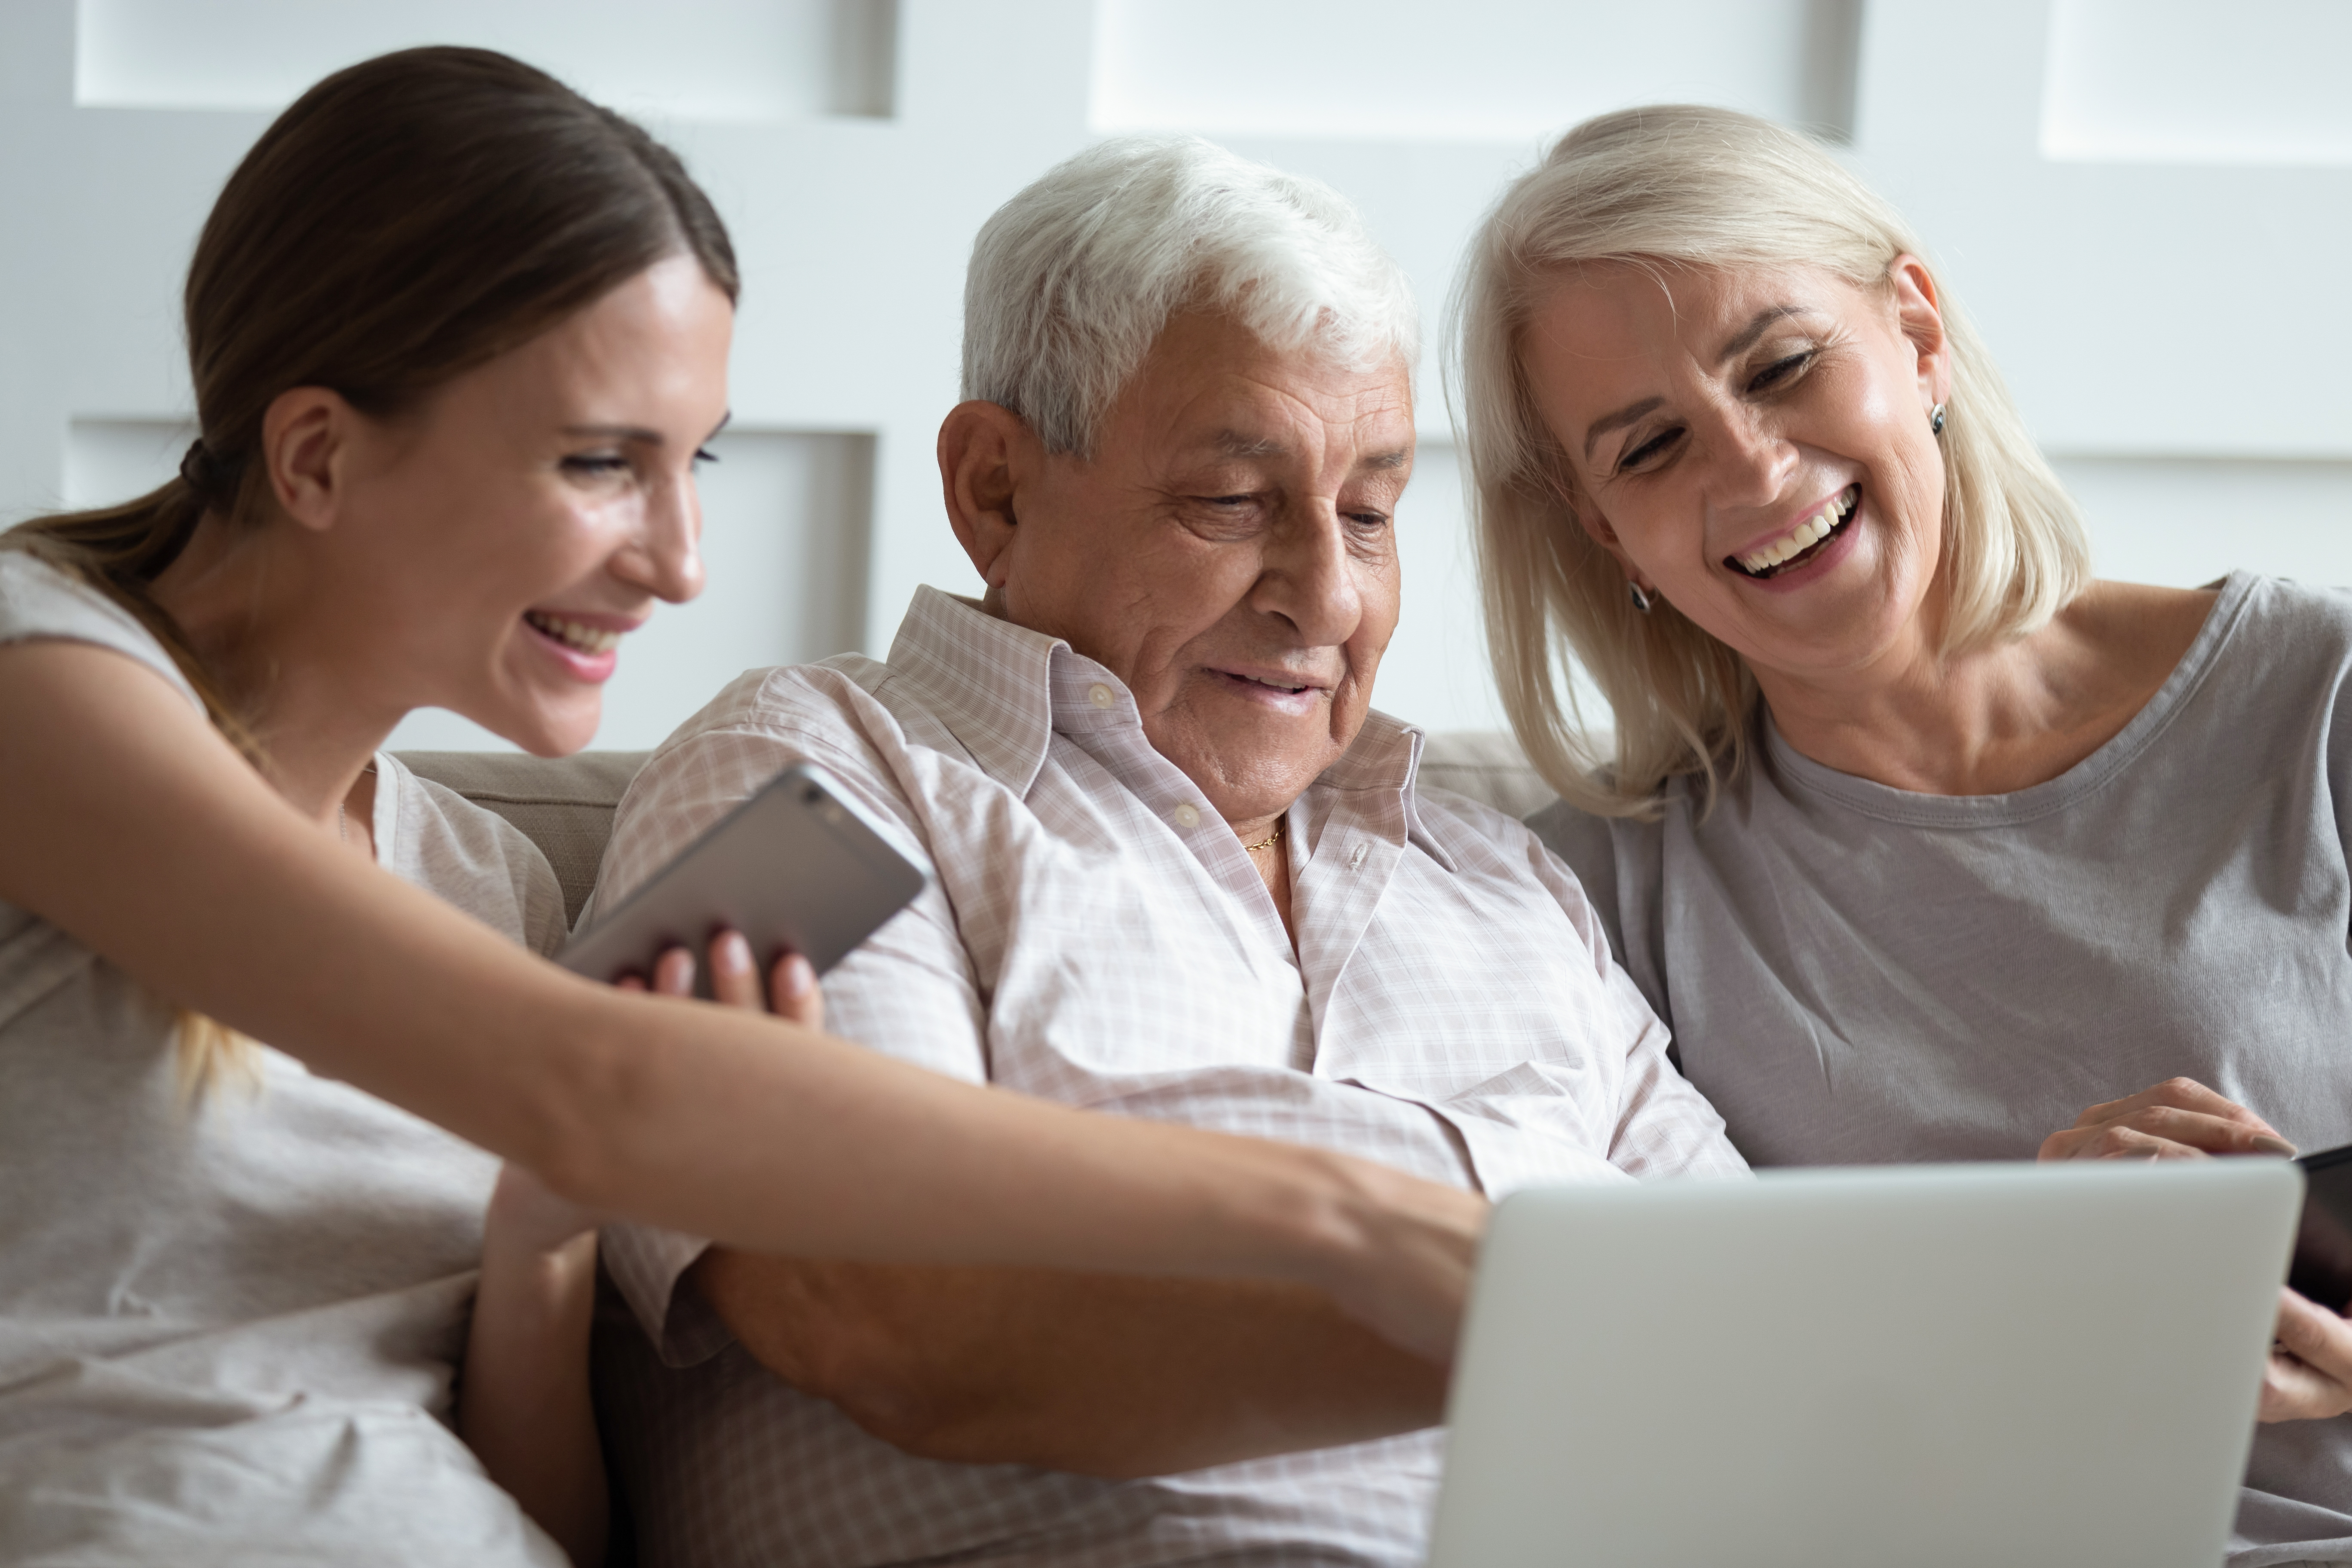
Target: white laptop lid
1971, 1366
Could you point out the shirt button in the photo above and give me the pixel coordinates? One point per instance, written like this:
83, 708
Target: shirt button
1100, 695
1185, 815
1356, 857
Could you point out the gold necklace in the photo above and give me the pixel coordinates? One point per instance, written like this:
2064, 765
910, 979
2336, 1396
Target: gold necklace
1269, 841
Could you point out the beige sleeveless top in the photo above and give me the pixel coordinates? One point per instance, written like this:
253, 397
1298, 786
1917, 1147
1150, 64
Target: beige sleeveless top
230, 1333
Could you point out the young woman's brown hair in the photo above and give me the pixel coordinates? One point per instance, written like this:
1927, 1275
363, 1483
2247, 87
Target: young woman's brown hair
408, 219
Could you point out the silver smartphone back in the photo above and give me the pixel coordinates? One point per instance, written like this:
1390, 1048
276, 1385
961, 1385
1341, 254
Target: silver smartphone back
798, 867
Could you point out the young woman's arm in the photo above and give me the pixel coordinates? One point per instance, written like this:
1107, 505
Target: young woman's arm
136, 828
523, 1404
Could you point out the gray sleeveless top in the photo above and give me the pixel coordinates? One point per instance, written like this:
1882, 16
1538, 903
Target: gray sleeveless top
1856, 973
228, 1334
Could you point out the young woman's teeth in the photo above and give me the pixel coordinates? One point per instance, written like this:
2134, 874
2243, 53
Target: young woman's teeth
1808, 533
572, 635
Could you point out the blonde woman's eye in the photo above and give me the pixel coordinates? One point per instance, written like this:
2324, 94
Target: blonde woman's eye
1780, 372
1654, 447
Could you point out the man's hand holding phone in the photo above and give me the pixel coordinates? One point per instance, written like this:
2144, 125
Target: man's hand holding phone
792, 991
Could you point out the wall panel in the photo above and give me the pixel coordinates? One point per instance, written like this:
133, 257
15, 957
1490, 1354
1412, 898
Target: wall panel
749, 60
2146, 299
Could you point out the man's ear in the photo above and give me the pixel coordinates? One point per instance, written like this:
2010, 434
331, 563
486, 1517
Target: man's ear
986, 453
1921, 318
306, 435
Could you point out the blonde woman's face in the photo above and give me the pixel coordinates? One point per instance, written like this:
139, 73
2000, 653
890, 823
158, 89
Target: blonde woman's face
1754, 447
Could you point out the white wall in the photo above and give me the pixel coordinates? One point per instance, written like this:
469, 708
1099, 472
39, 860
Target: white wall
2142, 202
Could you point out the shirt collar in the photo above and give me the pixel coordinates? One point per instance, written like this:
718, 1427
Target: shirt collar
1385, 760
988, 680
1002, 690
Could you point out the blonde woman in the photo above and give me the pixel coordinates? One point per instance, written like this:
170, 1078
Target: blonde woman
1920, 838
457, 338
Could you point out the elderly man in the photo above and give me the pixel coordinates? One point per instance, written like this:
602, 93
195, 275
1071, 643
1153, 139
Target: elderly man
1181, 870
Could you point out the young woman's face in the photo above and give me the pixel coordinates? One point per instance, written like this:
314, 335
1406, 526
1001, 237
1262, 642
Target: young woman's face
499, 542
1755, 446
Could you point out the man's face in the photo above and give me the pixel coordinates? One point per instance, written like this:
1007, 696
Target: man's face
1229, 553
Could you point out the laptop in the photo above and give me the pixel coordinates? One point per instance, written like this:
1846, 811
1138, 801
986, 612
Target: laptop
1964, 1365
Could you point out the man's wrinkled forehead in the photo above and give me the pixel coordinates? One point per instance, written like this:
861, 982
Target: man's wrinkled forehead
1247, 447
1212, 392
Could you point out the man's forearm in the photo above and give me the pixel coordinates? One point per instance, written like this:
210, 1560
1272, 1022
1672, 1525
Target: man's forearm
1107, 1375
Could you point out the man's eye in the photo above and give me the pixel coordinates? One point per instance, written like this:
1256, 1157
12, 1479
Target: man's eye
705, 455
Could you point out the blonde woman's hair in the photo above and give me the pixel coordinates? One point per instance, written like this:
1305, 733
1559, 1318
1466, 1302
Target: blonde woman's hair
1675, 187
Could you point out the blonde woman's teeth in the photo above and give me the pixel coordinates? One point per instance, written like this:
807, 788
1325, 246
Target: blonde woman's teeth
1804, 537
572, 635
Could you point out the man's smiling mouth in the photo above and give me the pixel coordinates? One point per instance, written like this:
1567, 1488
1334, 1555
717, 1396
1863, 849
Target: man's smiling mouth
1289, 687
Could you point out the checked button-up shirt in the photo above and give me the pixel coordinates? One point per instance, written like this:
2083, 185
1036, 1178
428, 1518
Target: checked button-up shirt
1095, 934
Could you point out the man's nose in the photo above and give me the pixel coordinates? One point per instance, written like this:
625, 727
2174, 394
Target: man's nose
666, 556
1310, 577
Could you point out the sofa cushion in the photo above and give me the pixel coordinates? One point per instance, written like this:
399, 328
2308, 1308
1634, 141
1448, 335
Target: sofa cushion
1486, 765
565, 804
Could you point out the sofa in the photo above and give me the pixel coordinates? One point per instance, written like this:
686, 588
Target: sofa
565, 805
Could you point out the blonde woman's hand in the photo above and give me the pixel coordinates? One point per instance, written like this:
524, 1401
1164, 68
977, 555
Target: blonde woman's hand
792, 992
2310, 1374
2179, 1119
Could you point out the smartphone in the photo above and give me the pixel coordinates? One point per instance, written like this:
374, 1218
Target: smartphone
797, 867
2322, 1268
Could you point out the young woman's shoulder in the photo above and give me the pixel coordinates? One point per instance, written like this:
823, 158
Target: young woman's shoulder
466, 855
38, 600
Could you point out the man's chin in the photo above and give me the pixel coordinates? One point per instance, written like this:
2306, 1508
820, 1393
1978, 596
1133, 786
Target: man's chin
1253, 763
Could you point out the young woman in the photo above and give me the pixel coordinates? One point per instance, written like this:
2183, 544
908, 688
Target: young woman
457, 338
1919, 839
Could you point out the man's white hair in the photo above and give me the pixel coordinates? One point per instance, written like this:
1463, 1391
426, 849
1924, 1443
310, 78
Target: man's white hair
1075, 279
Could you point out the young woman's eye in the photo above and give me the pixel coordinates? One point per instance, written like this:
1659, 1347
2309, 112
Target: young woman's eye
595, 464
1780, 371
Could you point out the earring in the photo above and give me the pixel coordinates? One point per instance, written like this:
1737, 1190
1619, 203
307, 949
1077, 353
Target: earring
1642, 601
1936, 420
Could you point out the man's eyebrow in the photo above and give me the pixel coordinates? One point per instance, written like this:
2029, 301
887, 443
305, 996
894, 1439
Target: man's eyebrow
1746, 337
1617, 421
1234, 444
